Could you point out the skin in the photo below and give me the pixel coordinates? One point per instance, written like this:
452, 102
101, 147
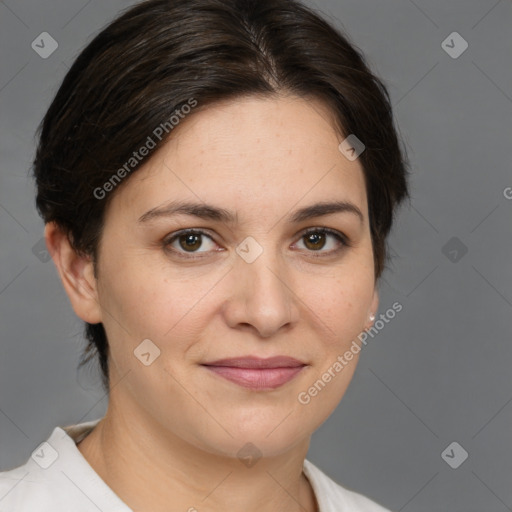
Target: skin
172, 430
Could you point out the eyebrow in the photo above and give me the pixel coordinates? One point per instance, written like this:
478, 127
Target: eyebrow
210, 212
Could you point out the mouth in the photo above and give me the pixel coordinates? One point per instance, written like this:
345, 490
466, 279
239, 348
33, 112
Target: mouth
257, 373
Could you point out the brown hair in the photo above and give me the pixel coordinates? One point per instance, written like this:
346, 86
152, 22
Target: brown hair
150, 61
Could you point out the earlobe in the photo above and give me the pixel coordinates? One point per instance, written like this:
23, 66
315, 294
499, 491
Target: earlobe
76, 273
372, 313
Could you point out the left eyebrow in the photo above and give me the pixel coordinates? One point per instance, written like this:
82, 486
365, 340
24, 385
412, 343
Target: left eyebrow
211, 212
327, 208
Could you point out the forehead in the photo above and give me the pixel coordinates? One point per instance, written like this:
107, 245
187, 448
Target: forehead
249, 152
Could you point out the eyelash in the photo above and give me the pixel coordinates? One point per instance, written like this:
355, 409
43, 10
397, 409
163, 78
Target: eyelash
190, 256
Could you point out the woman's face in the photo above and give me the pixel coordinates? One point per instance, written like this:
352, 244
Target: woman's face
253, 284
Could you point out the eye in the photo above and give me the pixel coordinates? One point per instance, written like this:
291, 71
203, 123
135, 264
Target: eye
316, 239
189, 241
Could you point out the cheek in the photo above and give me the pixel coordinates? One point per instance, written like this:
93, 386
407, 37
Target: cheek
322, 393
143, 303
342, 305
147, 300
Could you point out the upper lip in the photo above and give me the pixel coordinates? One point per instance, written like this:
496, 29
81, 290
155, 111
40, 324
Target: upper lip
258, 362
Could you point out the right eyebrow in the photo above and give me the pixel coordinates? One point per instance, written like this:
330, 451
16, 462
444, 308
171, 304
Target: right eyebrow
201, 210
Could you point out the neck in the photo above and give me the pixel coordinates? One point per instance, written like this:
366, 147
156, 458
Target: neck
152, 469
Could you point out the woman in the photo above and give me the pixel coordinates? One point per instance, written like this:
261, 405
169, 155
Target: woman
217, 179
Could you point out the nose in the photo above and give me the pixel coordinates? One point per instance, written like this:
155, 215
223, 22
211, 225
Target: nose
262, 298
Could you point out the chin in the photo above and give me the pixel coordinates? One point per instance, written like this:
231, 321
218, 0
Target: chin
249, 448
268, 437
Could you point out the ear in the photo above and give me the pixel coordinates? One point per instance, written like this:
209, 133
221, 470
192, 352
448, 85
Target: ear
373, 309
76, 273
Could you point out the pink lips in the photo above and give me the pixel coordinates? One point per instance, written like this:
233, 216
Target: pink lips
256, 373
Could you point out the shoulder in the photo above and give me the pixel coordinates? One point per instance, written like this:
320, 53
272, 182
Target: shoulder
332, 497
24, 489
55, 478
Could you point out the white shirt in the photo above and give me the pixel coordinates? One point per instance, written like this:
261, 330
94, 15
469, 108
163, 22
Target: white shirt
57, 478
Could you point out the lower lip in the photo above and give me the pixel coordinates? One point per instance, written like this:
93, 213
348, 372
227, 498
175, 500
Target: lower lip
256, 378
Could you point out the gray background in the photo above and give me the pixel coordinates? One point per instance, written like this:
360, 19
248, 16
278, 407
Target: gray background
437, 373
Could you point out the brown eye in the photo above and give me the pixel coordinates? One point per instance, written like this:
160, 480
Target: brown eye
190, 242
314, 241
323, 241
